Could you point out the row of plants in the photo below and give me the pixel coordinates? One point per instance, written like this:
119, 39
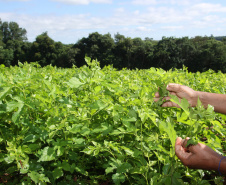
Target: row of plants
101, 126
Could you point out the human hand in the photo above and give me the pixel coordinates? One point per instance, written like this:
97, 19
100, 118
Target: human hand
197, 156
181, 91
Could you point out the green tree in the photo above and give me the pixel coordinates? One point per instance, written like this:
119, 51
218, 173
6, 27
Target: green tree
43, 50
210, 54
142, 51
65, 55
12, 40
167, 53
95, 46
123, 51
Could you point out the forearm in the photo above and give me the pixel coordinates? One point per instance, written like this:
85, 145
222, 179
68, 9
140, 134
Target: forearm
218, 101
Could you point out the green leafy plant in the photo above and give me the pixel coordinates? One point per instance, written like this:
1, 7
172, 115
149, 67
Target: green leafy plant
101, 126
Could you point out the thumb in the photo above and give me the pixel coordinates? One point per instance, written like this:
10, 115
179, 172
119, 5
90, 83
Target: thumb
180, 151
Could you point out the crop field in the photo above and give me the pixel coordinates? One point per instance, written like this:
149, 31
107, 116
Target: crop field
101, 126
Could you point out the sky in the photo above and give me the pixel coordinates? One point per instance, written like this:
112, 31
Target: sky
68, 21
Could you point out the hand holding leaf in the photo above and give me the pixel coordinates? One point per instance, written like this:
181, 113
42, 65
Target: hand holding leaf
181, 92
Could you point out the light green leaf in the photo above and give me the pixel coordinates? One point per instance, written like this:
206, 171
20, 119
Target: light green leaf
74, 82
75, 128
81, 170
37, 178
109, 169
129, 119
128, 151
168, 127
182, 103
47, 154
99, 105
34, 176
11, 106
4, 91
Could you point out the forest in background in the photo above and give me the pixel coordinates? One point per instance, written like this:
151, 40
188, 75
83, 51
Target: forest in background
197, 54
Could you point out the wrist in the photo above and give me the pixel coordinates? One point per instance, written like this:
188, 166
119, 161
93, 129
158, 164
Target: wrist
222, 166
201, 96
196, 95
218, 164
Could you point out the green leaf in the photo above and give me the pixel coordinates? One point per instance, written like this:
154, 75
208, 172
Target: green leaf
81, 170
57, 173
4, 91
66, 166
34, 176
60, 150
99, 105
75, 128
129, 119
109, 169
128, 151
162, 91
37, 178
30, 138
124, 168
15, 105
168, 127
191, 142
2, 157
74, 82
182, 103
9, 159
47, 154
118, 178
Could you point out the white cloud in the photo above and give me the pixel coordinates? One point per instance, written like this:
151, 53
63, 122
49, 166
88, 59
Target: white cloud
208, 7
143, 29
164, 15
83, 2
147, 21
119, 10
137, 12
172, 28
144, 2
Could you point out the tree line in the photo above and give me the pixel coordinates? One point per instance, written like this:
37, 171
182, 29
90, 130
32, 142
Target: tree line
197, 54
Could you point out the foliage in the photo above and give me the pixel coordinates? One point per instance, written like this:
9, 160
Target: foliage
198, 53
92, 126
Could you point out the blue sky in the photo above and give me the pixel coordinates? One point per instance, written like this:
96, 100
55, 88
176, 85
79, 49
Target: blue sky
70, 20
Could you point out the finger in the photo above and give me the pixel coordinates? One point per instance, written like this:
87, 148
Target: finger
170, 104
180, 151
189, 148
156, 99
157, 95
172, 93
185, 142
178, 141
173, 87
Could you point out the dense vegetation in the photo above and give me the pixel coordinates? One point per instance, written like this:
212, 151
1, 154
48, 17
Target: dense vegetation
198, 53
101, 126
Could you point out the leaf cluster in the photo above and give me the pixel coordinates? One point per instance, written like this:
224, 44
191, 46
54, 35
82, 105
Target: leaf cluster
93, 126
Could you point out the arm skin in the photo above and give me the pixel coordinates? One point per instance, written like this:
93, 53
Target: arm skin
199, 156
218, 101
